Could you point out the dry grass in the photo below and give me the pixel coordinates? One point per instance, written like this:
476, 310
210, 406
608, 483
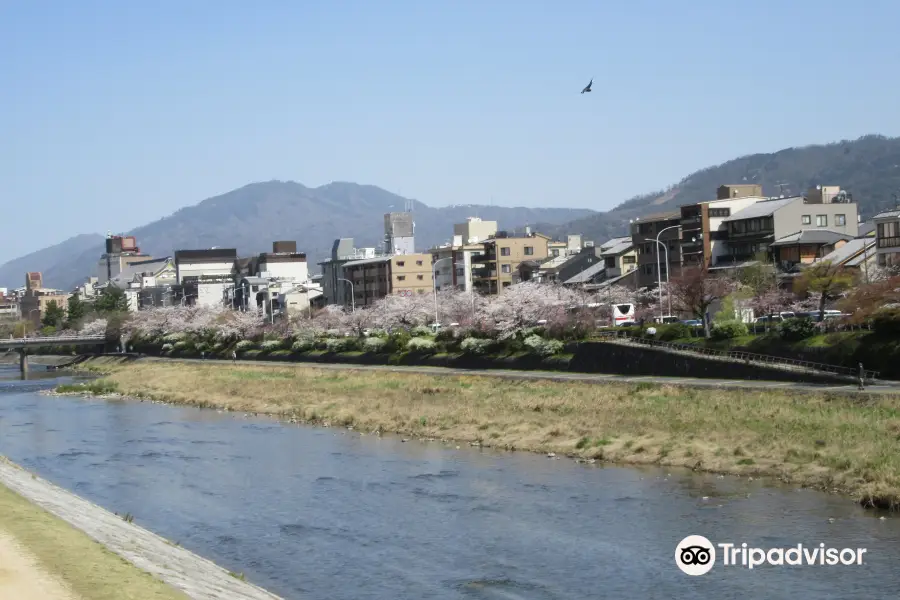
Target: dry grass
823, 441
89, 570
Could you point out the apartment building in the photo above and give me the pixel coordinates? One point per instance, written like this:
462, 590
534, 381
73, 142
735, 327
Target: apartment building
703, 235
498, 266
375, 278
666, 227
887, 238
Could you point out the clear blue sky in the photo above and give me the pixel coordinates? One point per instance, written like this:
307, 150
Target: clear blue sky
116, 113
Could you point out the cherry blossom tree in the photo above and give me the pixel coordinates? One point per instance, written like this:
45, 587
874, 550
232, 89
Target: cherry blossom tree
694, 290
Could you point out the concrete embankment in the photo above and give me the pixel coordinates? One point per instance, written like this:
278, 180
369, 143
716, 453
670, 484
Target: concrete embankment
196, 577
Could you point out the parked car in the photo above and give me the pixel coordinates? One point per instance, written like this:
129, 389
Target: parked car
626, 324
693, 323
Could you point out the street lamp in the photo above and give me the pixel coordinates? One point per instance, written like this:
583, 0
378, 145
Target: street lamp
659, 271
352, 295
434, 286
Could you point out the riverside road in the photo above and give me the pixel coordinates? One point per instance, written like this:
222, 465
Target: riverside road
844, 389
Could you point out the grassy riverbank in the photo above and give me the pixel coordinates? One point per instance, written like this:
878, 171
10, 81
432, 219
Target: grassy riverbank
85, 567
827, 442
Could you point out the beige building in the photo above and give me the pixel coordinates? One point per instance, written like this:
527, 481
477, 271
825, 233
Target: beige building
473, 231
375, 278
498, 267
33, 303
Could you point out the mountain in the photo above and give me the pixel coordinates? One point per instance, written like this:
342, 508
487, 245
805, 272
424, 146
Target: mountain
868, 168
252, 217
52, 261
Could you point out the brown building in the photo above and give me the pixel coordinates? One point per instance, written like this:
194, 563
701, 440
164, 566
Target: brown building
644, 232
33, 303
498, 267
375, 278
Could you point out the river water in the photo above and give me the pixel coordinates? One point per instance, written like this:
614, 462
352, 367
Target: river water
329, 513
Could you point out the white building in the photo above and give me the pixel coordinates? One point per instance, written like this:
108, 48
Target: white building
205, 276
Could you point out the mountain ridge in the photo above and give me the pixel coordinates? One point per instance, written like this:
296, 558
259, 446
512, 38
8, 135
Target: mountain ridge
251, 217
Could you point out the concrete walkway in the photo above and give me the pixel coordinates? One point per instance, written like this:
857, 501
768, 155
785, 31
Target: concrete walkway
197, 577
22, 578
880, 388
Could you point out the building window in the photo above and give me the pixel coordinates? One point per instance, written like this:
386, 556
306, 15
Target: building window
806, 220
529, 250
610, 262
840, 220
720, 212
555, 252
420, 276
821, 220
505, 268
401, 277
419, 263
504, 251
628, 260
400, 263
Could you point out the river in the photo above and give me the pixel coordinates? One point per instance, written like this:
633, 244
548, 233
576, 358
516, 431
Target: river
328, 513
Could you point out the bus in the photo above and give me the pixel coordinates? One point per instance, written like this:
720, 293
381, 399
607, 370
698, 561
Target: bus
622, 313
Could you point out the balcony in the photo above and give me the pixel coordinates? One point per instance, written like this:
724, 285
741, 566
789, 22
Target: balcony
691, 222
889, 242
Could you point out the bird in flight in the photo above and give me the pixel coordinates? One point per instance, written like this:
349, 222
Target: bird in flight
588, 86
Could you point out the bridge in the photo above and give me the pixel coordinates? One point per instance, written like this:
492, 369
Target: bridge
21, 345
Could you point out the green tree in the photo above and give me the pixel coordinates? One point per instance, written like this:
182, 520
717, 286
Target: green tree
827, 280
111, 300
54, 315
75, 313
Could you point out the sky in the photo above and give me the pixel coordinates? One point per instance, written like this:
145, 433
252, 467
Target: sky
114, 114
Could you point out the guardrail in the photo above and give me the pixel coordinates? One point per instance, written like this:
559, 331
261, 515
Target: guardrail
757, 358
59, 340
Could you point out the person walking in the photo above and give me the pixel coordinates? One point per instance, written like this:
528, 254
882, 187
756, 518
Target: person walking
862, 377
233, 357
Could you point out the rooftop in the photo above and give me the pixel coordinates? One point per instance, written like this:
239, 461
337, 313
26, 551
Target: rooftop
888, 214
368, 261
616, 246
847, 254
763, 208
811, 236
660, 216
587, 274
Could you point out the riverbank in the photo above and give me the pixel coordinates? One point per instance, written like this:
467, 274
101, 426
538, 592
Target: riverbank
101, 556
45, 558
832, 443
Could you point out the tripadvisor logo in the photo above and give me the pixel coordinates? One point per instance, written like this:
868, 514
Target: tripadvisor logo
696, 555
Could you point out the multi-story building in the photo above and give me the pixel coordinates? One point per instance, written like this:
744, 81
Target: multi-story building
204, 277
474, 231
887, 238
9, 306
120, 252
375, 278
274, 282
399, 232
33, 302
498, 266
645, 231
335, 288
703, 236
794, 230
